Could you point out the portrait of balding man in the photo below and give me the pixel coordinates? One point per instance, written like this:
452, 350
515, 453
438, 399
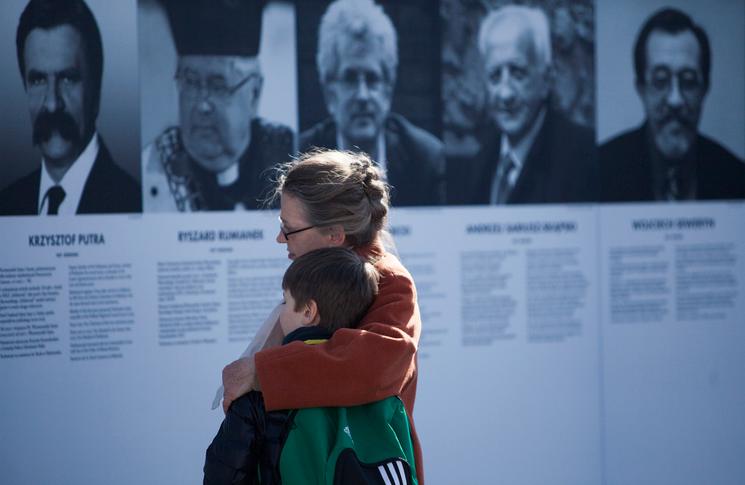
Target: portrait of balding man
60, 56
530, 152
667, 158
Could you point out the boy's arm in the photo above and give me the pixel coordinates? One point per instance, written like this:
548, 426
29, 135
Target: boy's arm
232, 457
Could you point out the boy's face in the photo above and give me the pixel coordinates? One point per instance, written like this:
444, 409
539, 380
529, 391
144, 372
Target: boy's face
291, 319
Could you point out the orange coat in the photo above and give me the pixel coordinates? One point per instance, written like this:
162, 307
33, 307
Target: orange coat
359, 365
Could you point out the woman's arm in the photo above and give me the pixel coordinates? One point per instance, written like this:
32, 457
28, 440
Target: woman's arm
374, 361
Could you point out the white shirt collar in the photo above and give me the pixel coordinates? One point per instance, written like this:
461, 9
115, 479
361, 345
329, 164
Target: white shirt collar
228, 176
521, 149
72, 182
382, 159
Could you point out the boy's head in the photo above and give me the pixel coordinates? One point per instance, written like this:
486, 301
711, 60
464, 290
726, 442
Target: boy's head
329, 287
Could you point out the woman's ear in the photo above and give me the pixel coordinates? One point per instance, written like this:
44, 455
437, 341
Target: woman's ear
336, 235
310, 313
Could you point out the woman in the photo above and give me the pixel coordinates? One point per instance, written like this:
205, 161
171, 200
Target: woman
333, 198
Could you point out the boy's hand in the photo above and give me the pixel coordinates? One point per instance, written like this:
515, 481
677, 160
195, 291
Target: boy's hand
238, 378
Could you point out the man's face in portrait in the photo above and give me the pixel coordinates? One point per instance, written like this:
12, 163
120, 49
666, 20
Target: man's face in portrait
218, 99
359, 96
517, 81
672, 91
59, 90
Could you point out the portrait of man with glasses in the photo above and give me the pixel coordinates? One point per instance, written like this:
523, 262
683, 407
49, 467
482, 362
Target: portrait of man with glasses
357, 59
220, 155
667, 158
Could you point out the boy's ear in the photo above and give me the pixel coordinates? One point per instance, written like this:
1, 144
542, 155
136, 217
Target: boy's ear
310, 313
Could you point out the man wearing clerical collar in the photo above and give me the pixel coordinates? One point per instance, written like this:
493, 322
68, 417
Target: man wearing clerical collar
60, 55
220, 155
530, 152
666, 158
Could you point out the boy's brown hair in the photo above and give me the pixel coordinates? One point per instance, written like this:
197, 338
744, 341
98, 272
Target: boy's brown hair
338, 280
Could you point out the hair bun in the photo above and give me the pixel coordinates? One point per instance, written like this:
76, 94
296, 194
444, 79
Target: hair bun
372, 180
340, 187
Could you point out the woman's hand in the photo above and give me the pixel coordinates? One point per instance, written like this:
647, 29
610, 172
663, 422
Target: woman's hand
238, 378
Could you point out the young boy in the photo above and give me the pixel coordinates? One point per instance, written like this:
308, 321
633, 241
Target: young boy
324, 290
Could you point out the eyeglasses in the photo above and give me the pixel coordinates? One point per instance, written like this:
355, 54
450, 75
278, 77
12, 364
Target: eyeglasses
661, 80
350, 80
216, 87
287, 233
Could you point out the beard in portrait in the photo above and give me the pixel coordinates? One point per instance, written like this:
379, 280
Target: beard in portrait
667, 158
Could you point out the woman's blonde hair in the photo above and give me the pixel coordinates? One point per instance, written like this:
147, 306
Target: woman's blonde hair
338, 188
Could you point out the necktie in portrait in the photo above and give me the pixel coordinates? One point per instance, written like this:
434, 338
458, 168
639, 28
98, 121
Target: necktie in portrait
55, 195
502, 184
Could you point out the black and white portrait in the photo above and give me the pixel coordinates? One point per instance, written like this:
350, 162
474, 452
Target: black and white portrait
371, 83
218, 101
674, 130
70, 118
518, 99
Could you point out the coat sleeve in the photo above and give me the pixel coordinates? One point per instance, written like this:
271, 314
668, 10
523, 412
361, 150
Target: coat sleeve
233, 455
368, 363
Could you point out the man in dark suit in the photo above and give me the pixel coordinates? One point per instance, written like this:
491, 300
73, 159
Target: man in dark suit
357, 60
60, 56
666, 158
531, 153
